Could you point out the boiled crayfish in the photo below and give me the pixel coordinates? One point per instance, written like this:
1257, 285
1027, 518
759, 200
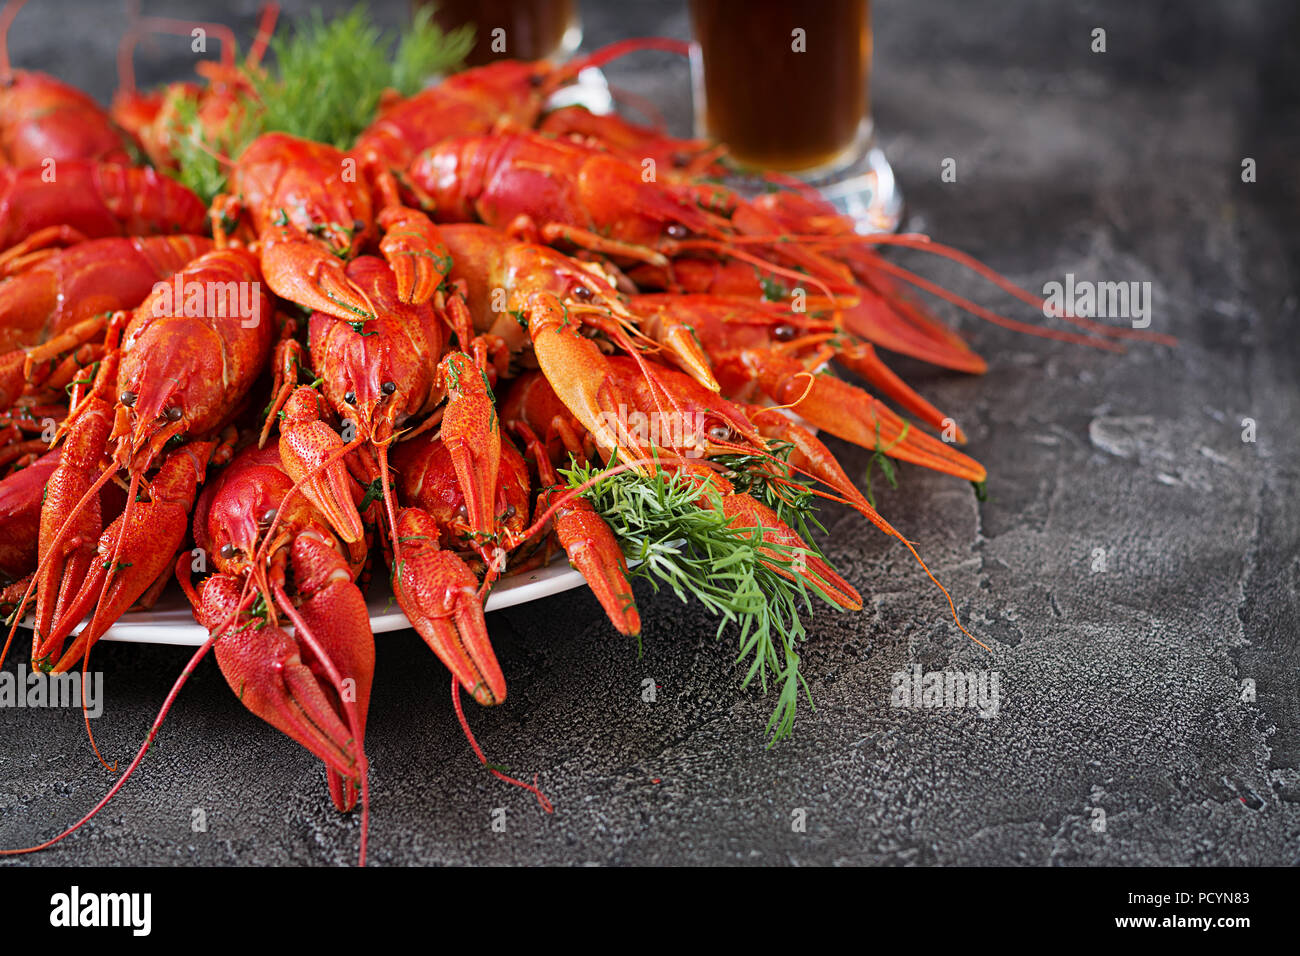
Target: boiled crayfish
473, 298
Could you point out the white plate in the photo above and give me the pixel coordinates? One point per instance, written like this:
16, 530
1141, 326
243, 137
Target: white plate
171, 622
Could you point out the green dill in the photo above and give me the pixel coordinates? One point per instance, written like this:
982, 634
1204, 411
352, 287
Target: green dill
769, 479
365, 316
374, 491
733, 572
453, 373
325, 86
487, 386
879, 459
202, 154
773, 291
330, 75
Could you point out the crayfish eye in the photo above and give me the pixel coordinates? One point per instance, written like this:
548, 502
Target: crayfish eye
227, 551
358, 225
784, 332
267, 516
174, 413
350, 398
720, 433
128, 398
676, 230
535, 80
581, 292
388, 388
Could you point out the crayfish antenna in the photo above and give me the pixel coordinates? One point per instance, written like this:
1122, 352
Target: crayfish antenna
863, 262
6, 21
94, 622
988, 315
126, 775
532, 788
613, 51
262, 41
390, 508
811, 458
185, 28
926, 244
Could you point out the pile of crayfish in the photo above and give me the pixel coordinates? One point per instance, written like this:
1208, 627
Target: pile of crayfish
392, 353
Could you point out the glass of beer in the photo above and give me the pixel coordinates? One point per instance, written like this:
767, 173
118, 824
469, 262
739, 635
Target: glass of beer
785, 87
513, 29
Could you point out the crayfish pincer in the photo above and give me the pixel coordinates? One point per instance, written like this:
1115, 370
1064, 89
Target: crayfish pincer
176, 371
313, 685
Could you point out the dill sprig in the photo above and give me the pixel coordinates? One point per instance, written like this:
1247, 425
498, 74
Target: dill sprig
325, 85
879, 459
768, 478
692, 550
200, 154
330, 75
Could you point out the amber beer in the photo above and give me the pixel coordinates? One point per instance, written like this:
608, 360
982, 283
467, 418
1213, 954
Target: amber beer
533, 29
784, 84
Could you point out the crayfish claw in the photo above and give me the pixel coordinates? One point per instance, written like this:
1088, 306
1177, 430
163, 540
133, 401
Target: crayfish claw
302, 270
307, 445
415, 252
265, 668
439, 593
592, 548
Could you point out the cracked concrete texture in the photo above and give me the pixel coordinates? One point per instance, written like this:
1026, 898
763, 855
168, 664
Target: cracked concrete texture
1135, 563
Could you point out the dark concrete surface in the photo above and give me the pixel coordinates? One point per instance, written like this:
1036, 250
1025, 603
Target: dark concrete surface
1122, 689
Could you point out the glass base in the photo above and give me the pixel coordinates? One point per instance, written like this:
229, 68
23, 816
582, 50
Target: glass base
865, 191
591, 91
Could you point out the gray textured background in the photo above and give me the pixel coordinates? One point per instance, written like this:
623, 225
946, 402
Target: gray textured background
1122, 690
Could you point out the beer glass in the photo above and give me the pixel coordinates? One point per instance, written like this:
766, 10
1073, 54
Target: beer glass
785, 87
514, 29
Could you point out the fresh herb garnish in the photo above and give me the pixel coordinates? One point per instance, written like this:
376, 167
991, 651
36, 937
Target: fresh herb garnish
887, 467
695, 552
773, 291
769, 479
325, 86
